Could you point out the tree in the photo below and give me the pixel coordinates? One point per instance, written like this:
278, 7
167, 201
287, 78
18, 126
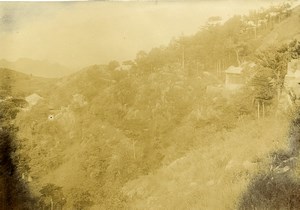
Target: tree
125, 91
13, 191
81, 199
268, 78
294, 49
272, 63
112, 65
6, 82
142, 62
212, 22
52, 197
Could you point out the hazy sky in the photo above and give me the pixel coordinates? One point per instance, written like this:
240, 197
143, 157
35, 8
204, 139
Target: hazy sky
77, 34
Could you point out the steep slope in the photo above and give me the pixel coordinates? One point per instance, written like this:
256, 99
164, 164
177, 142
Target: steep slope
285, 31
100, 131
213, 175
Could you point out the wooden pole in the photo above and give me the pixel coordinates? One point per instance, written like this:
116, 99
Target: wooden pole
219, 68
183, 58
258, 110
263, 109
51, 204
133, 144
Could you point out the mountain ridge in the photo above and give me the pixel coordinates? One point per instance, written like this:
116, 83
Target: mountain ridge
37, 67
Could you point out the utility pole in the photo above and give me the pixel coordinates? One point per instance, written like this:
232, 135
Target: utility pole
133, 147
183, 57
263, 109
258, 111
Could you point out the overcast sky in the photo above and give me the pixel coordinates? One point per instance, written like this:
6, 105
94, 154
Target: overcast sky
78, 34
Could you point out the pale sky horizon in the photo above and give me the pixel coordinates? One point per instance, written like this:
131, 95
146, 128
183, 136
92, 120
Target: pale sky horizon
78, 34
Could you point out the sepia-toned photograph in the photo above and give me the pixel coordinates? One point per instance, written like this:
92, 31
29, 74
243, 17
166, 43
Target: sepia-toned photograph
150, 105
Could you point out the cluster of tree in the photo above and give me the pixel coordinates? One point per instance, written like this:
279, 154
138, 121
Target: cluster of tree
127, 129
216, 46
268, 78
14, 158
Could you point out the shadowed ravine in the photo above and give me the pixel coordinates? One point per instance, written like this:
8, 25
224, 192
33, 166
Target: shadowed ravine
14, 193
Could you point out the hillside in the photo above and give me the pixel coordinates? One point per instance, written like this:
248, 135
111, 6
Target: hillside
162, 134
220, 169
22, 85
121, 137
285, 31
96, 118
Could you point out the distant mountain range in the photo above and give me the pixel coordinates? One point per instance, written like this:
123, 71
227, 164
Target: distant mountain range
37, 68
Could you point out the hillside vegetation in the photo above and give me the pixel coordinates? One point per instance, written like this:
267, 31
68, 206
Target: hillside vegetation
22, 85
160, 132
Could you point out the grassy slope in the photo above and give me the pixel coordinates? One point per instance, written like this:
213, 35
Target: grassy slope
211, 176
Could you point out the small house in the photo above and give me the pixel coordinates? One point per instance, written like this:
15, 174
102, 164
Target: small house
33, 99
292, 78
234, 79
293, 72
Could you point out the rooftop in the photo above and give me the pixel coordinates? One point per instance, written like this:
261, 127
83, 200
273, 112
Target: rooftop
234, 70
